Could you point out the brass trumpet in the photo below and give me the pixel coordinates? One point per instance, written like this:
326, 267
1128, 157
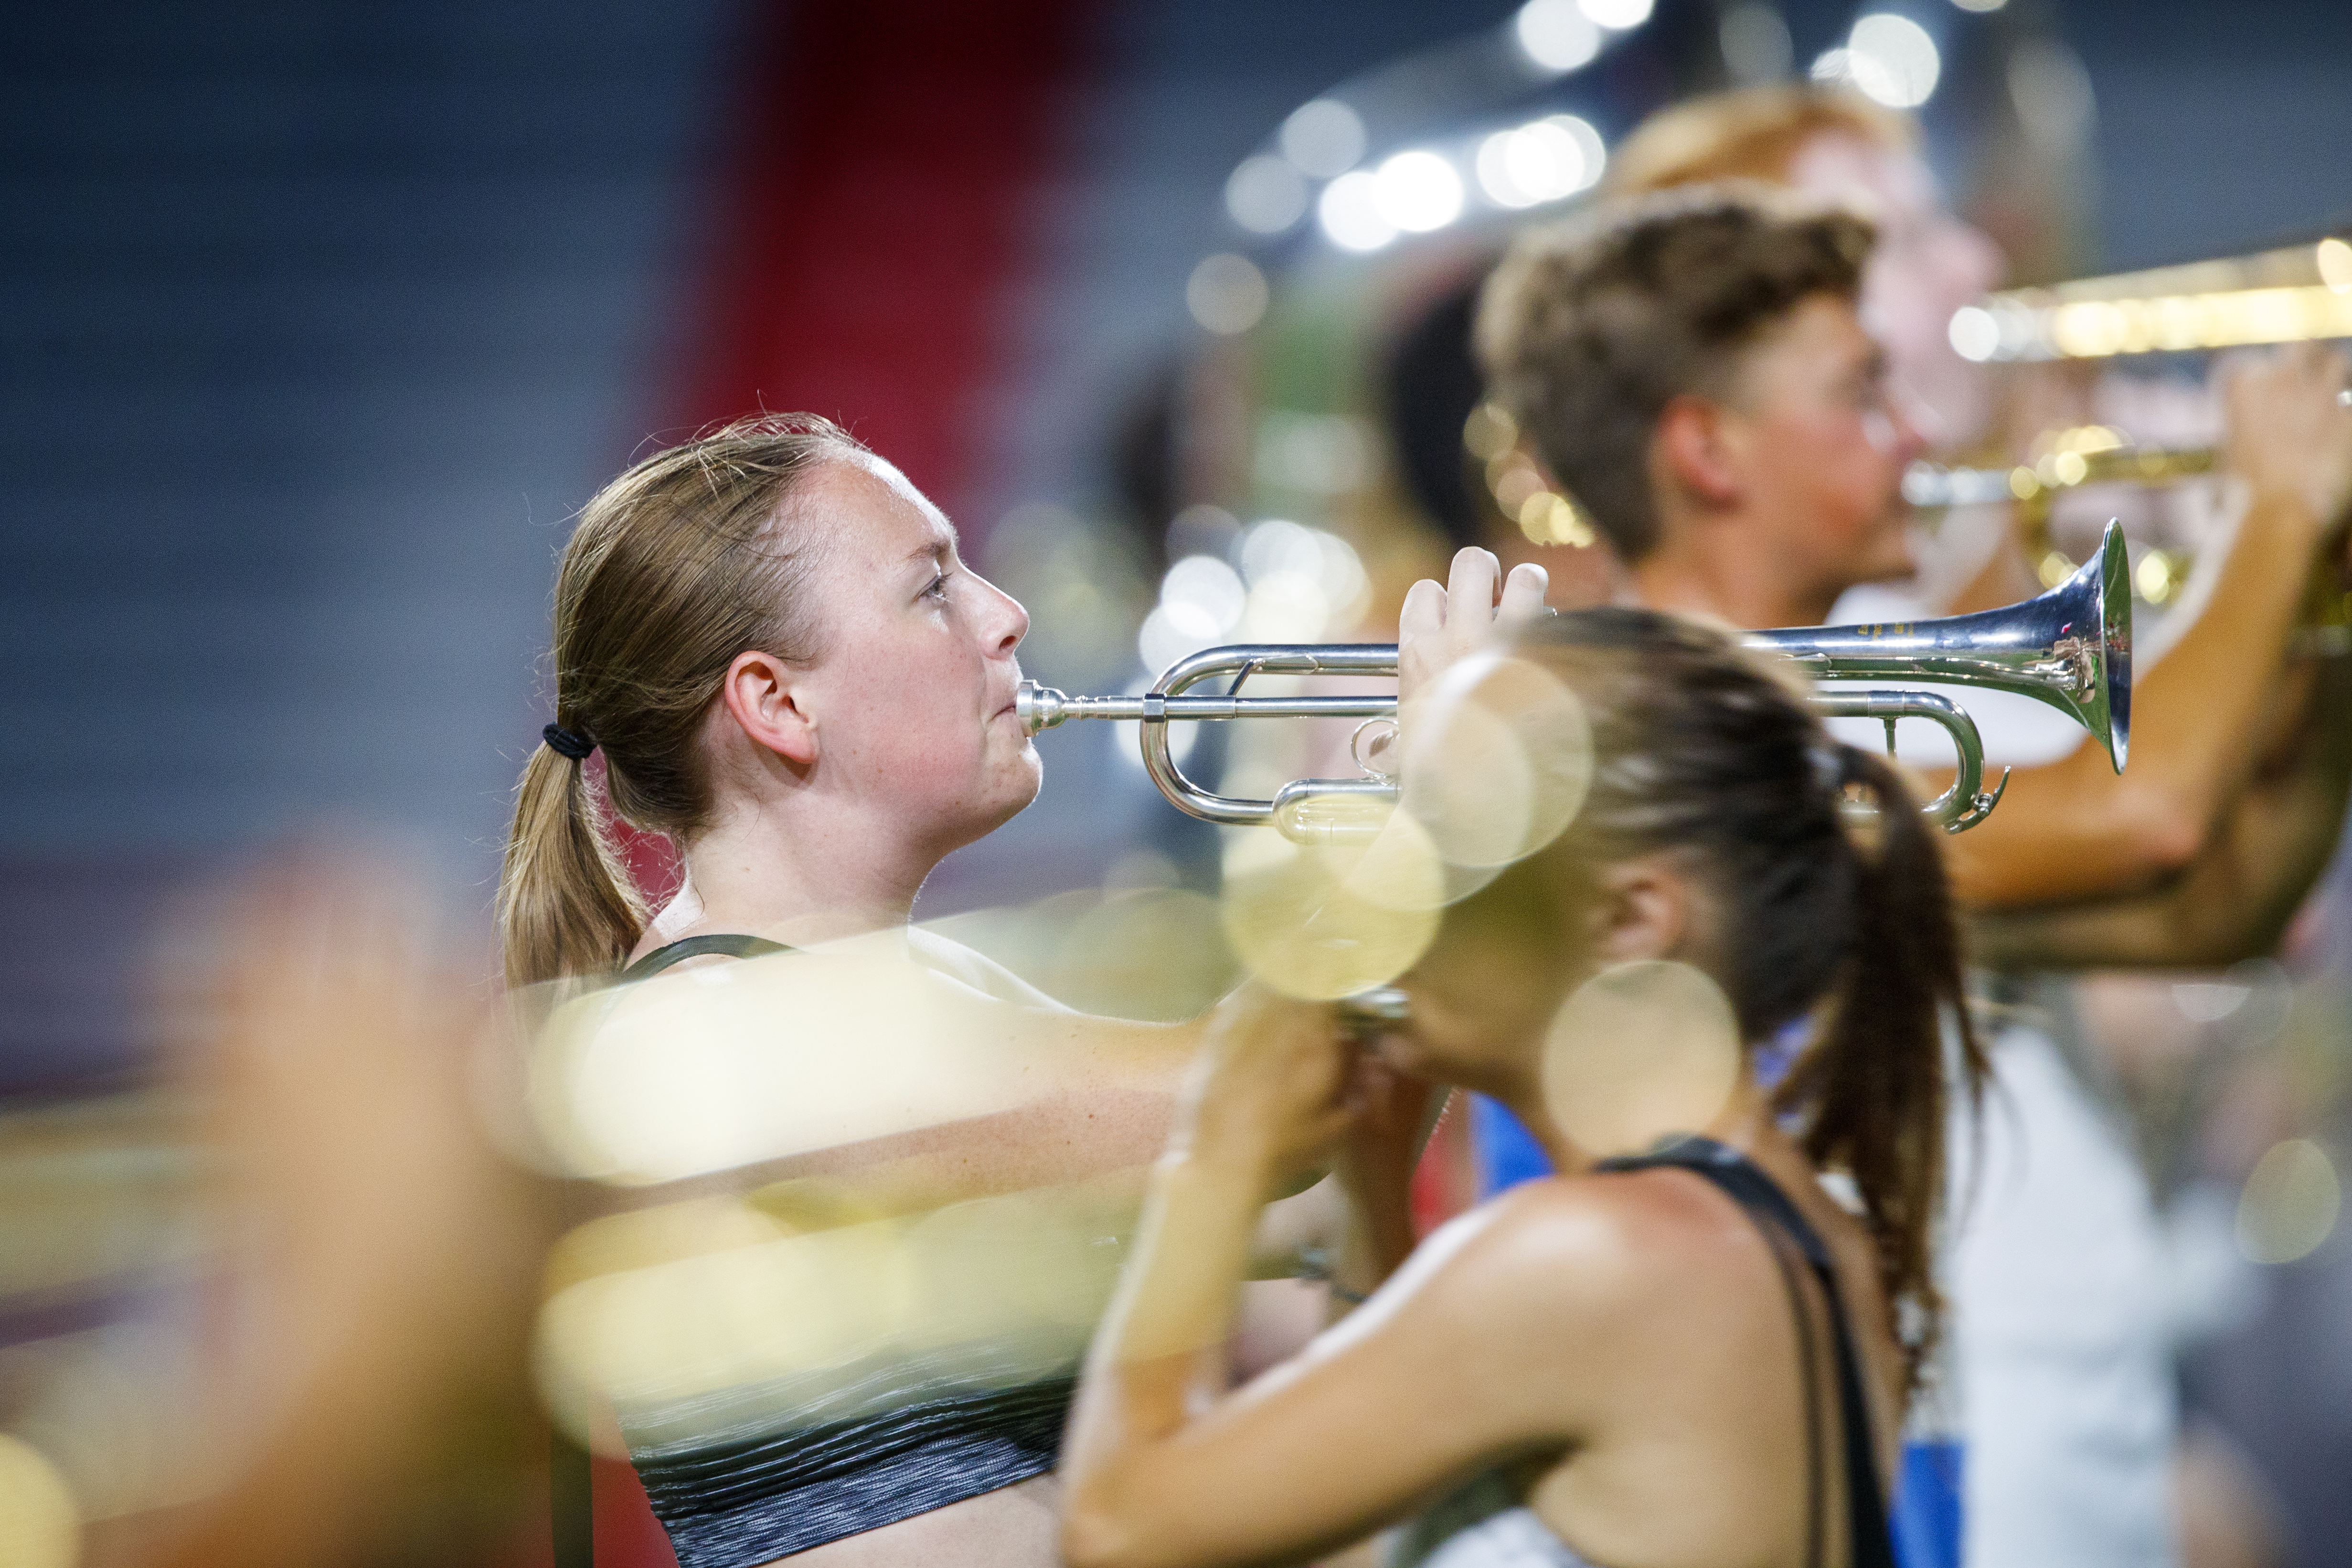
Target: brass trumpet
2096, 454
2288, 295
2069, 459
2070, 647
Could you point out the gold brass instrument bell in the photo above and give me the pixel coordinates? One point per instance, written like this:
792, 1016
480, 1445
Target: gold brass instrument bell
2096, 454
2292, 294
2069, 647
2065, 460
2295, 293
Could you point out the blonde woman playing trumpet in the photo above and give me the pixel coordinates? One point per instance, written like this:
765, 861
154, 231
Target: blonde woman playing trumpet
770, 637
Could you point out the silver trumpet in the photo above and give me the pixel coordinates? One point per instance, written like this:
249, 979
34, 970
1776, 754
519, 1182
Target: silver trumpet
2070, 647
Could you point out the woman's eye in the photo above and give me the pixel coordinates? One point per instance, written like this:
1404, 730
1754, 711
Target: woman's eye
937, 587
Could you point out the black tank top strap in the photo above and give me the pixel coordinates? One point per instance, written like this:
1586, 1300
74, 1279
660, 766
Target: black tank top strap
1783, 1224
730, 943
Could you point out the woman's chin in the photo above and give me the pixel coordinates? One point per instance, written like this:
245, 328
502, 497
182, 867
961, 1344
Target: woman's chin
1015, 789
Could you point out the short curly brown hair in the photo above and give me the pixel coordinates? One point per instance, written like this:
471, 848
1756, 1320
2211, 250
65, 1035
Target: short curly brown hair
1593, 325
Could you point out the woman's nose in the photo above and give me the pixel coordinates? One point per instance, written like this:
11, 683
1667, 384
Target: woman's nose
1009, 624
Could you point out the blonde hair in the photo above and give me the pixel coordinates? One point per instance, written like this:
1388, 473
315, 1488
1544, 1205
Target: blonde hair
681, 564
1754, 133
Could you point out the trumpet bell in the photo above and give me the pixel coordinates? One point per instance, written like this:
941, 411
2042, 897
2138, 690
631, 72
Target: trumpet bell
2069, 647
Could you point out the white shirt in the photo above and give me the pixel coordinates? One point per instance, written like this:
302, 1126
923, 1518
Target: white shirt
2054, 1267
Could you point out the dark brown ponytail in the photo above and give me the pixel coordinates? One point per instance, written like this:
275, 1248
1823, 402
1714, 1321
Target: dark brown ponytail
1871, 1090
1699, 744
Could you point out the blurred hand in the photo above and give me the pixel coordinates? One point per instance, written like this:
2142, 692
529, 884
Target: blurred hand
1375, 1158
1269, 1090
1441, 625
340, 1078
2286, 434
390, 1253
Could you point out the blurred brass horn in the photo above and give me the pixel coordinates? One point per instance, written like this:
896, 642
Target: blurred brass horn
2290, 294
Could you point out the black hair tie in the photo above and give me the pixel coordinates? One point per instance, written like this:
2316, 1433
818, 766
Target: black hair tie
568, 742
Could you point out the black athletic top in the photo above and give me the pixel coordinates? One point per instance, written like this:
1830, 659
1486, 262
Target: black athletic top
734, 1483
1484, 1525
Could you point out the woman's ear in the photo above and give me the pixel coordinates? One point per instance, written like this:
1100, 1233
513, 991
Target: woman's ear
1693, 453
1648, 909
759, 695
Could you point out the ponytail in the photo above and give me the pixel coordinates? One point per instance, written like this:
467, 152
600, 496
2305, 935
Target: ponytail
1872, 1091
1698, 745
567, 905
690, 558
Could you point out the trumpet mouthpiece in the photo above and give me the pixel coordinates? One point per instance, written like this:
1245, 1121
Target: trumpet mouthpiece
1039, 707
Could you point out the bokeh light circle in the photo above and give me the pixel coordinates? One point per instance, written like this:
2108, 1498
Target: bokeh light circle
1641, 1051
1497, 760
1326, 920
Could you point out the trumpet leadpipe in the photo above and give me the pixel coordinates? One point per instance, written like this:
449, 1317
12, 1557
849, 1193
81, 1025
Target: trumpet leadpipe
1042, 707
2090, 456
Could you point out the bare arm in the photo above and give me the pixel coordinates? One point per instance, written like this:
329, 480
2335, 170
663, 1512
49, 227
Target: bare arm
2234, 900
2074, 829
1159, 1470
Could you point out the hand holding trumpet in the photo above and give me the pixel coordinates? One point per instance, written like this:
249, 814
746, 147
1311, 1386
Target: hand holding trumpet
2290, 428
1441, 625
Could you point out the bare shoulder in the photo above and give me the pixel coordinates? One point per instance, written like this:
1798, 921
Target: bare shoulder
1544, 1303
1594, 1246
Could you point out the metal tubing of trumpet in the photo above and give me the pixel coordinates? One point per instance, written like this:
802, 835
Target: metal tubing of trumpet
1964, 804
1933, 489
1042, 707
1292, 808
2288, 295
1242, 662
2070, 647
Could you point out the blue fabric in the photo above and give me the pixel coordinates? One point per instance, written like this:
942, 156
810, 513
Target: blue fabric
1504, 1152
1927, 1505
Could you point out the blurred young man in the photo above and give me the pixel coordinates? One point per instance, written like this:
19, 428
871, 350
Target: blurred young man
1694, 368
2074, 831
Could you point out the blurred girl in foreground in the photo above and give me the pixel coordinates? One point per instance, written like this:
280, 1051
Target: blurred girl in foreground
770, 637
1616, 1365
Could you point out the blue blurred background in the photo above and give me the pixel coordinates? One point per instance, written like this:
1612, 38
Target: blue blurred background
321, 320
318, 321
